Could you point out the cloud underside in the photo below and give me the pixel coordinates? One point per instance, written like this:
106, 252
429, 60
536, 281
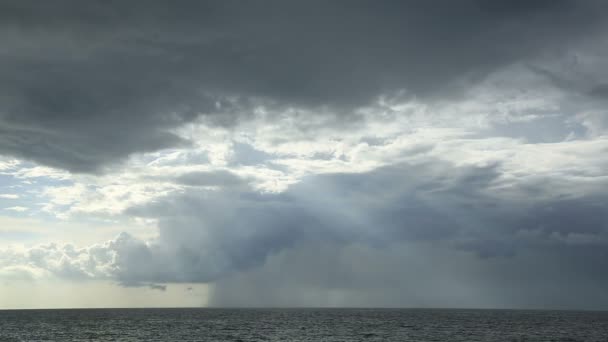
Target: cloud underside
84, 87
365, 153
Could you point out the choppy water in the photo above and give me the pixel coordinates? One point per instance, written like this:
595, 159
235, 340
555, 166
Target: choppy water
301, 325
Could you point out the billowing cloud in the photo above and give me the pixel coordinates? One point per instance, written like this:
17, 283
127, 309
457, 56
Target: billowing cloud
433, 210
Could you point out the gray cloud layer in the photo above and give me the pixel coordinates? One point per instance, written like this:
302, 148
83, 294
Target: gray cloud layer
427, 235
84, 86
226, 231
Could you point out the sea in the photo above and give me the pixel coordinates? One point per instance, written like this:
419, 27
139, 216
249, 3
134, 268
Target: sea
301, 325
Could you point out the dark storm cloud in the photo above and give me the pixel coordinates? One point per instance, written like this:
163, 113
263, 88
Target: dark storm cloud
85, 85
418, 236
416, 275
211, 236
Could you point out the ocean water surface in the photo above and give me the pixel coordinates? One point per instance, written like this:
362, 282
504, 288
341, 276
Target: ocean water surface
301, 325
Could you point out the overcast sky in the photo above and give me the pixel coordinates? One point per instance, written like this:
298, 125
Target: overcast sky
304, 153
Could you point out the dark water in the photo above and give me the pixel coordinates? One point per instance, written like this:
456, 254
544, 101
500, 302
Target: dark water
301, 325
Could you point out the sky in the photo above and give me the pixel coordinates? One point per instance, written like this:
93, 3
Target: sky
304, 153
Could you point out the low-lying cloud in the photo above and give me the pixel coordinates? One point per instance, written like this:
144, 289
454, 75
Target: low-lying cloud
433, 210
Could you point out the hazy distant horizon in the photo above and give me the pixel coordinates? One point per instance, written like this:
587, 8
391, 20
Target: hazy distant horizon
229, 308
